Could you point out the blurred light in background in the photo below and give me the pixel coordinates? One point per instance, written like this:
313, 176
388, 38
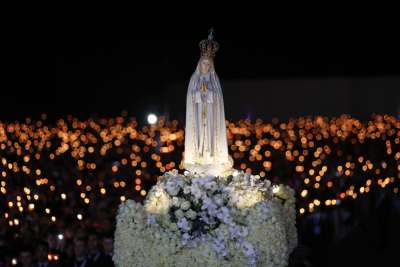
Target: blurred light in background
151, 118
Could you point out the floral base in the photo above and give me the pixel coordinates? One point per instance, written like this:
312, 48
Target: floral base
193, 220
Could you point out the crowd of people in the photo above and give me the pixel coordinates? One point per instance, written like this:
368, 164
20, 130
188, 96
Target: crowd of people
55, 249
61, 183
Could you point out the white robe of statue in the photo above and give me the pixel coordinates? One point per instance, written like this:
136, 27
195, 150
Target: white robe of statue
206, 149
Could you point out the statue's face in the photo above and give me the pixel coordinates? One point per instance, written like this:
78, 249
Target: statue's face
205, 66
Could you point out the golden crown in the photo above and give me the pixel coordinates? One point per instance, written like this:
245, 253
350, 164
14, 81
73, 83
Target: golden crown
208, 47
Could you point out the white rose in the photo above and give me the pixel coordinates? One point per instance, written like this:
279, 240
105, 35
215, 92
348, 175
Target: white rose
179, 214
158, 205
175, 201
191, 214
173, 191
218, 200
185, 205
186, 190
173, 226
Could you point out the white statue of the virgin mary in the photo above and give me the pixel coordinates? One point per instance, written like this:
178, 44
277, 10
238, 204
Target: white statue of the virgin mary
206, 149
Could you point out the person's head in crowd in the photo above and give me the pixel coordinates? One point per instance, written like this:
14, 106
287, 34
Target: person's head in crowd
52, 240
106, 225
27, 230
108, 244
69, 249
26, 257
2, 261
6, 255
69, 232
42, 251
93, 242
80, 249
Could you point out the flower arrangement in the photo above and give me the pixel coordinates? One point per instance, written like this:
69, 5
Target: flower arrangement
197, 220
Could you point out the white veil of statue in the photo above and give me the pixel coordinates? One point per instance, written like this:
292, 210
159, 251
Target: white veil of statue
206, 148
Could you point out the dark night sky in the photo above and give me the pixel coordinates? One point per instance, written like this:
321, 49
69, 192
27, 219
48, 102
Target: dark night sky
90, 69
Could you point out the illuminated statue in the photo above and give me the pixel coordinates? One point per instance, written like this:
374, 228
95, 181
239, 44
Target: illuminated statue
206, 149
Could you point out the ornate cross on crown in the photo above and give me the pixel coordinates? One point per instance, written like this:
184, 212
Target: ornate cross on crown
208, 47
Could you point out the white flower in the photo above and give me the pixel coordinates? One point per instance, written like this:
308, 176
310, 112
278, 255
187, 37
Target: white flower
179, 214
173, 226
151, 219
255, 228
184, 224
185, 205
283, 192
218, 200
176, 202
196, 191
191, 214
275, 189
158, 202
246, 198
224, 215
220, 247
185, 238
248, 250
172, 189
186, 190
209, 205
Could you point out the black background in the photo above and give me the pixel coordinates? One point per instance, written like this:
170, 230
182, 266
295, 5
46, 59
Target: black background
103, 66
